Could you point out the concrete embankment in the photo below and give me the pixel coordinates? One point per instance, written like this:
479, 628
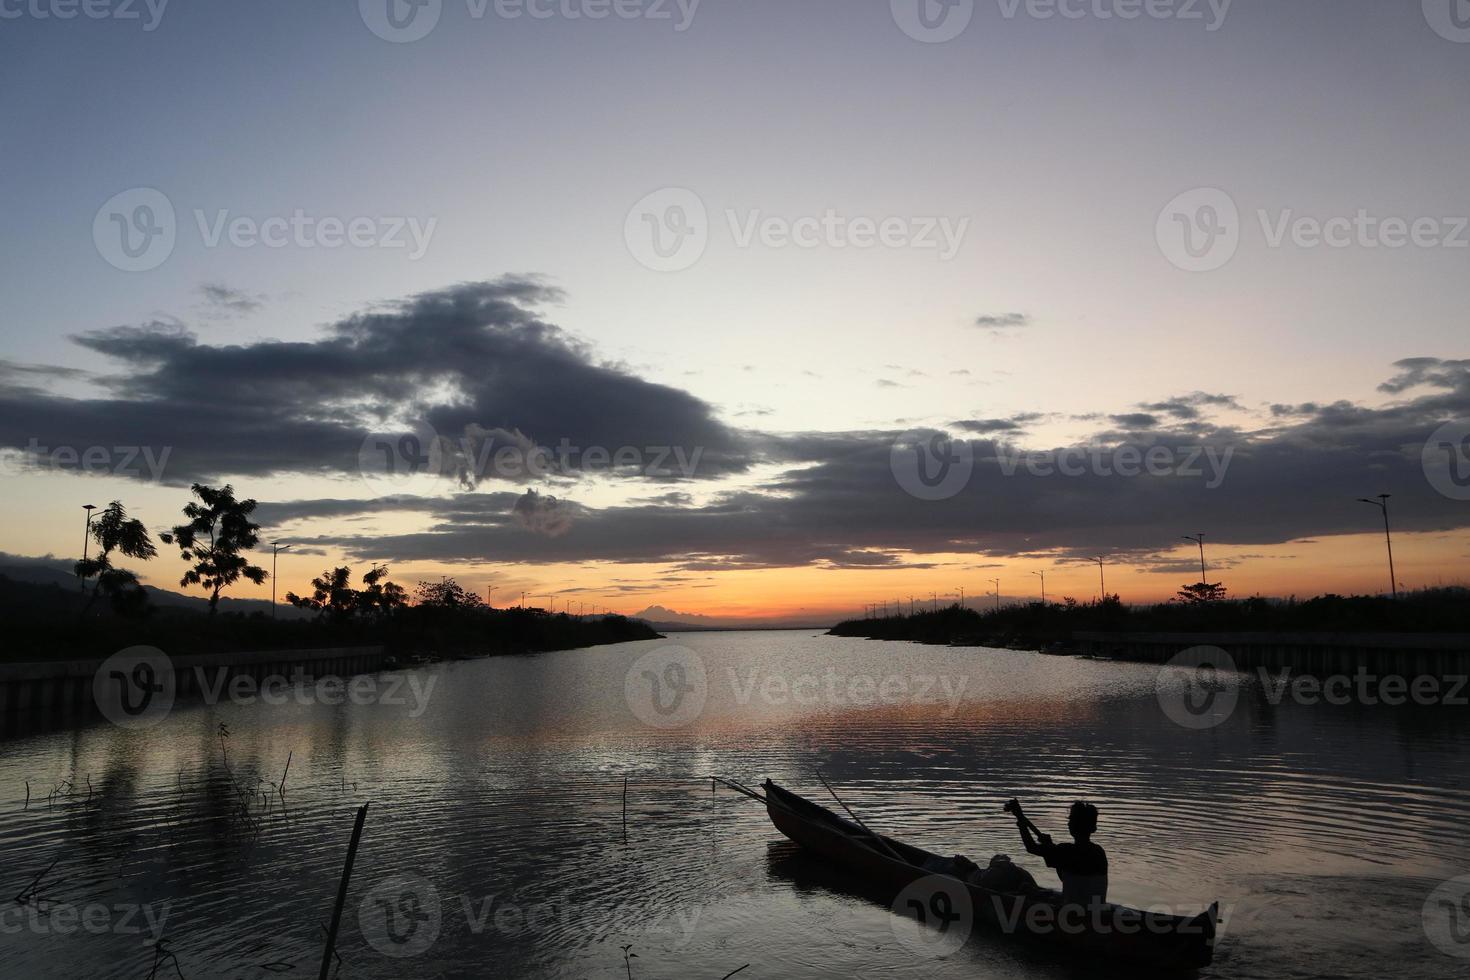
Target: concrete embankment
44, 693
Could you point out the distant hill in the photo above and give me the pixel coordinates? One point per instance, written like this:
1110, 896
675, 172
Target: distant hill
664, 619
50, 570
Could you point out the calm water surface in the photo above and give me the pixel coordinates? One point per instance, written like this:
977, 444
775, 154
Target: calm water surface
496, 822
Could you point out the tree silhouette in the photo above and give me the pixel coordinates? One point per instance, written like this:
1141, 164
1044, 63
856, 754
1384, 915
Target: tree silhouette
381, 596
219, 529
447, 594
334, 597
114, 530
1200, 593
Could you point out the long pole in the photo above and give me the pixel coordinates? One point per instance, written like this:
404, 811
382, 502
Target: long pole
87, 536
276, 549
1198, 539
1101, 580
997, 593
1043, 586
1382, 504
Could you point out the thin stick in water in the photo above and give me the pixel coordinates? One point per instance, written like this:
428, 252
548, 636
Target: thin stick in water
282, 789
342, 892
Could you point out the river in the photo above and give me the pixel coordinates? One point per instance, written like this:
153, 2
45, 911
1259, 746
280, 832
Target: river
496, 844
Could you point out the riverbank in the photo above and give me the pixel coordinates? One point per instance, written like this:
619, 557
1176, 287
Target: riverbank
1433, 619
47, 623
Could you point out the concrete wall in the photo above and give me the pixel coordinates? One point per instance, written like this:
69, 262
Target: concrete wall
65, 686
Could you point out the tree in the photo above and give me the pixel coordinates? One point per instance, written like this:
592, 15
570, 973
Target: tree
381, 596
114, 530
1200, 593
333, 595
447, 594
219, 529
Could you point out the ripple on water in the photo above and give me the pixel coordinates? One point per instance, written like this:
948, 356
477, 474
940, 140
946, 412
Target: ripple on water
1321, 830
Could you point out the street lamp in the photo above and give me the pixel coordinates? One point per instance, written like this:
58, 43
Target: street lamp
1382, 504
1043, 586
86, 538
1101, 580
1200, 540
997, 593
276, 549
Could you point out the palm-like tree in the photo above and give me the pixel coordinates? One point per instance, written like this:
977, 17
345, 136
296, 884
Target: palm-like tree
219, 529
114, 530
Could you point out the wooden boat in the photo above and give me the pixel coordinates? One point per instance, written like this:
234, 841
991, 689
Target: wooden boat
1113, 932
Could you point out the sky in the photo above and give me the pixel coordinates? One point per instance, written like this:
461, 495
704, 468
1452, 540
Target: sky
772, 250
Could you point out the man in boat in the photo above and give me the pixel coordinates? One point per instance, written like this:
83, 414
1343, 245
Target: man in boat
1082, 865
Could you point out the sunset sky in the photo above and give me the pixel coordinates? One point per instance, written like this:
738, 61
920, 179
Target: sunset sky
253, 243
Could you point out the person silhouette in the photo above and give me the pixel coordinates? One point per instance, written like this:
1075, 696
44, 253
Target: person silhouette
1082, 865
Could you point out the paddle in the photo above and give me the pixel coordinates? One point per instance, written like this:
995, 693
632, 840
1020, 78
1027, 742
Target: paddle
1013, 807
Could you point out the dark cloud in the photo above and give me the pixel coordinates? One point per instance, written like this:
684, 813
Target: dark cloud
1003, 321
474, 355
1431, 371
225, 301
478, 363
987, 425
542, 514
1187, 407
839, 504
16, 372
1305, 408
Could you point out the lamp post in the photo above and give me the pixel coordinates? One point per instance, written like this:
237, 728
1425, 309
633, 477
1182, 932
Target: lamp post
1101, 580
1200, 540
1043, 586
997, 593
276, 549
1382, 504
86, 538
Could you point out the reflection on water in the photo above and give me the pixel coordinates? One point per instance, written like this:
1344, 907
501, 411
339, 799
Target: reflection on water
495, 840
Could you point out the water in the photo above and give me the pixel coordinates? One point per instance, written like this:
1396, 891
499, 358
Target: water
496, 820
